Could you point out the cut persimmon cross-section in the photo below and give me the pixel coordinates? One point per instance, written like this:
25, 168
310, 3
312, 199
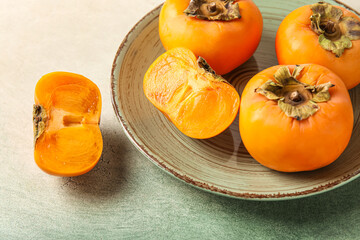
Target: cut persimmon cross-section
200, 103
66, 118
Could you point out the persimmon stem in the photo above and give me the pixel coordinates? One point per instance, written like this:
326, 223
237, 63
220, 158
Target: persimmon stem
39, 120
330, 27
335, 30
204, 65
212, 10
212, 7
296, 99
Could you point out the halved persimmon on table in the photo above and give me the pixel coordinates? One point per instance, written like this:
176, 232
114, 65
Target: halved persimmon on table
66, 117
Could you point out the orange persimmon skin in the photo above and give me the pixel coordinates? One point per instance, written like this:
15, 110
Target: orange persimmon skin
196, 102
285, 144
297, 43
71, 143
225, 45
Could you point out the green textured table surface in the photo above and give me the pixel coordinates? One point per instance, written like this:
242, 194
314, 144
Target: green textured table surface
125, 196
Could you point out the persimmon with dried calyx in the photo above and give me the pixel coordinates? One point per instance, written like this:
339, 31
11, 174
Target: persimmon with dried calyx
225, 33
188, 92
322, 34
295, 118
66, 117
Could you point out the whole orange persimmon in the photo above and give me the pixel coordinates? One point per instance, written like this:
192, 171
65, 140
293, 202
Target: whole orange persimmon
295, 118
322, 34
225, 33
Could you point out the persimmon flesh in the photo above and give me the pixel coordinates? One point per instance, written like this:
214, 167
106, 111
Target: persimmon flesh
298, 121
66, 116
225, 33
198, 102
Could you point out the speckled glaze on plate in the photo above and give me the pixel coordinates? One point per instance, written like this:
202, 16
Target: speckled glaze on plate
220, 164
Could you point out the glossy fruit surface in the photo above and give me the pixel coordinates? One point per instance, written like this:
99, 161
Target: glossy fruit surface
223, 44
285, 143
298, 43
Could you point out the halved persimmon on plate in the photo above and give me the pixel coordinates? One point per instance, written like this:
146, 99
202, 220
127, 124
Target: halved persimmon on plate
188, 92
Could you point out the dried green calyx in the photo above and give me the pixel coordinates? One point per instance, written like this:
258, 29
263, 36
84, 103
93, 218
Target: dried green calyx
296, 99
222, 10
335, 31
39, 120
206, 67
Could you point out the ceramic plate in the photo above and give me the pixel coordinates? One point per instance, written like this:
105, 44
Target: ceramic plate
220, 164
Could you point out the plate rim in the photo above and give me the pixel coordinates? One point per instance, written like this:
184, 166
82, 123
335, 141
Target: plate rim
202, 185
